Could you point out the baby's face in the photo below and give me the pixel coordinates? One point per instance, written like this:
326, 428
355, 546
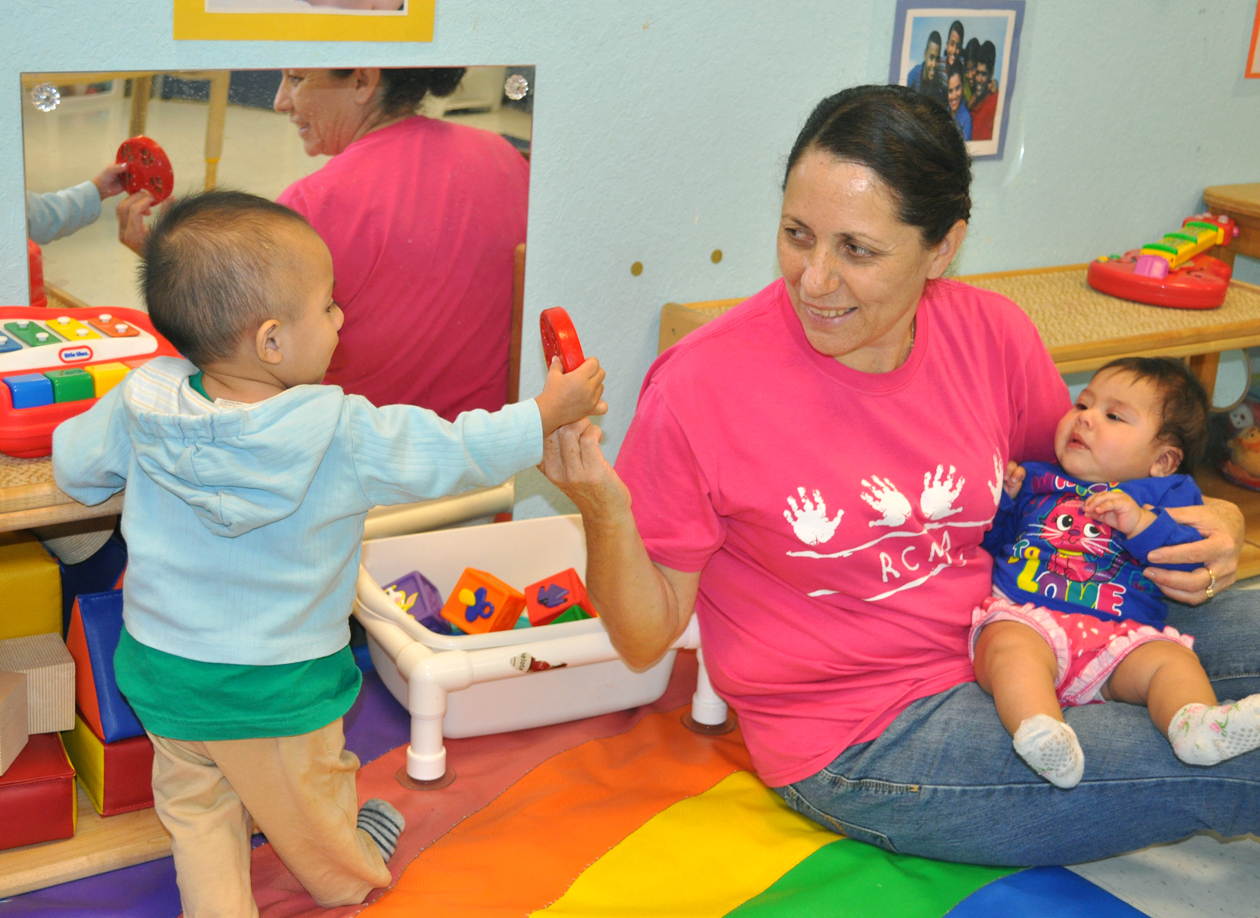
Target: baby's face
310, 333
1111, 433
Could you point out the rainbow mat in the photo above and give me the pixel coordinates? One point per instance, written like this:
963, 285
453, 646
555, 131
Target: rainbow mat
628, 814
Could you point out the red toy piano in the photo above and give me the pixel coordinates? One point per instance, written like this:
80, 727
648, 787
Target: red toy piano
1174, 271
55, 363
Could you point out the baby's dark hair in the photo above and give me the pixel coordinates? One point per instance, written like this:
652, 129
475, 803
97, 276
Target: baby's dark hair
1184, 413
214, 267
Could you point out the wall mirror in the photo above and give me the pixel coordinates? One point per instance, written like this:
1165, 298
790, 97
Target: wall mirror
223, 129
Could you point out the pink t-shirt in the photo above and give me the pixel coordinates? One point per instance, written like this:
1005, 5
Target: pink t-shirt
836, 516
422, 219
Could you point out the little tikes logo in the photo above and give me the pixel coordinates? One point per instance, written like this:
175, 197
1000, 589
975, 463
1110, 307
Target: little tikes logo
77, 354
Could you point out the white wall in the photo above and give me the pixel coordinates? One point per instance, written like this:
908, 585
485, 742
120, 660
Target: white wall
661, 128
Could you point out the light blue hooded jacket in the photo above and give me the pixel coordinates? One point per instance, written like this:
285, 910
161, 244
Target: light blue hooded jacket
244, 524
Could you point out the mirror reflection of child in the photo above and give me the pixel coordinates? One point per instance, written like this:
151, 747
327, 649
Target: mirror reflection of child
55, 214
248, 483
1073, 620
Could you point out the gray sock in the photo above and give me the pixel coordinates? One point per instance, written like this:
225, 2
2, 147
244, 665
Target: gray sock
385, 824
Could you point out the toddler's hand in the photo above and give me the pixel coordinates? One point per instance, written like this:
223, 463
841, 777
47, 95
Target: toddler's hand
111, 181
131, 212
1119, 511
1013, 480
569, 397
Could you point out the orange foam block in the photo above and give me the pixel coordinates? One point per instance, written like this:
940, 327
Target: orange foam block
482, 602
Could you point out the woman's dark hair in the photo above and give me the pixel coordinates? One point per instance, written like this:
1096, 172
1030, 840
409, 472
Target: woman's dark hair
1184, 413
404, 88
906, 138
957, 26
973, 50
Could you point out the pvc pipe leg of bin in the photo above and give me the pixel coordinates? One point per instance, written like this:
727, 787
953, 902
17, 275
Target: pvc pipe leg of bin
709, 714
426, 755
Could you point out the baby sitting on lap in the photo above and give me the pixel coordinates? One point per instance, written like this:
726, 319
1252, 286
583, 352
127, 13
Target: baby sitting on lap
1073, 620
248, 483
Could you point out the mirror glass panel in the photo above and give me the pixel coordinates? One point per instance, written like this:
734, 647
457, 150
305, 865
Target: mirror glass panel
257, 149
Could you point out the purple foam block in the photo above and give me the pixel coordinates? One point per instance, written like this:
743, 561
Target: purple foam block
416, 596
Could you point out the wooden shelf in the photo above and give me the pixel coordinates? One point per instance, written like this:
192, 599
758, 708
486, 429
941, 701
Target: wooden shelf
1213, 485
99, 845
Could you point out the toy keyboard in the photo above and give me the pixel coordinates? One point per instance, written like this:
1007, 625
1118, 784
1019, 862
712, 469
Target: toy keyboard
55, 363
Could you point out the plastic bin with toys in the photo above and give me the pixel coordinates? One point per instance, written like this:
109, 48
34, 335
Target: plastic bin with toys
460, 685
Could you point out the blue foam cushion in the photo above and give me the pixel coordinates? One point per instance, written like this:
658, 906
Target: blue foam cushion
102, 626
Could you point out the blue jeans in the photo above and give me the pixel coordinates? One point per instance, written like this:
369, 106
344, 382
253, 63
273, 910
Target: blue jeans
942, 781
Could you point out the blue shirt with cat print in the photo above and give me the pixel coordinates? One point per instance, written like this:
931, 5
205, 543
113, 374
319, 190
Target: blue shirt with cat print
1046, 551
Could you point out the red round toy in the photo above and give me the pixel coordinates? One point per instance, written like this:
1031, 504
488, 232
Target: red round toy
148, 167
560, 338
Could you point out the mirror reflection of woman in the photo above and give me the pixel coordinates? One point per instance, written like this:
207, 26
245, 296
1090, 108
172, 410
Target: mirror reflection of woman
422, 218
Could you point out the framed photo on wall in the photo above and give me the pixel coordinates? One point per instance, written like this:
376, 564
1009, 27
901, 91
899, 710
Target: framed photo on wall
963, 55
305, 20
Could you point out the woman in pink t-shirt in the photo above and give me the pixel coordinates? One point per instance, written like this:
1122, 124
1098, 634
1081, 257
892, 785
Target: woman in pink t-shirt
422, 218
812, 474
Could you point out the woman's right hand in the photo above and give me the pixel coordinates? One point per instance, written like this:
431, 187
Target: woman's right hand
131, 212
645, 607
574, 463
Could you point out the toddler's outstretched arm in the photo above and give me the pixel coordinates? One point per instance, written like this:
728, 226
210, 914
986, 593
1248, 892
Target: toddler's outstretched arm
569, 397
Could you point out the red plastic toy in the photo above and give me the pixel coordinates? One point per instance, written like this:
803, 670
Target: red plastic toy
113, 342
1171, 272
35, 258
148, 167
559, 337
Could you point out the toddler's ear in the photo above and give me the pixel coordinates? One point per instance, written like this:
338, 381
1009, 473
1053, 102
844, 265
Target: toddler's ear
1167, 462
266, 342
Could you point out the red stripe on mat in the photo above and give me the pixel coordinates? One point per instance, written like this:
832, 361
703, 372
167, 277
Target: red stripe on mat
486, 767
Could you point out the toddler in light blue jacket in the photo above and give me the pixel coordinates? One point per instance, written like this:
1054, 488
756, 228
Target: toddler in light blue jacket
248, 482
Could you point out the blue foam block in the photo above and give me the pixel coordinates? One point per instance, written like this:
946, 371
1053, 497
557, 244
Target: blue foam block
102, 626
30, 390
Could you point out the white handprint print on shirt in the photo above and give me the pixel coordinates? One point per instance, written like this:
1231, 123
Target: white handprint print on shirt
887, 500
938, 496
809, 520
996, 484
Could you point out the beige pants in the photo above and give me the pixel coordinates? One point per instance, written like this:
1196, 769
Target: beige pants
299, 791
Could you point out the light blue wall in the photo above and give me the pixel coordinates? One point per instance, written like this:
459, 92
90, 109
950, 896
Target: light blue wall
661, 127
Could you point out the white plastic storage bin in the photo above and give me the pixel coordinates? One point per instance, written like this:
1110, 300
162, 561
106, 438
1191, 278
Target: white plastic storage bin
470, 685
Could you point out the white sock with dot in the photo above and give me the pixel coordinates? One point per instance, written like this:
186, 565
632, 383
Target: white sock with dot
1207, 735
1051, 749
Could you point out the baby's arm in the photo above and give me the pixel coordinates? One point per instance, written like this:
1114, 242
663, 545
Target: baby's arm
1013, 480
1144, 528
1006, 519
92, 451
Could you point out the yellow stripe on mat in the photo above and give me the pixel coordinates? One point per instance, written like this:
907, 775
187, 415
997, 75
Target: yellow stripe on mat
700, 858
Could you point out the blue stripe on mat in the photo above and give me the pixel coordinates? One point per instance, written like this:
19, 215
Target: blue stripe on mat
1046, 892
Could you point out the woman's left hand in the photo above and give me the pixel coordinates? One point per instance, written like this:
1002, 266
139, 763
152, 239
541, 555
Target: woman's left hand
1221, 525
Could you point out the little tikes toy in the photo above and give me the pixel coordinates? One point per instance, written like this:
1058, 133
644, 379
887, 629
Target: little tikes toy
55, 363
148, 167
559, 337
1173, 271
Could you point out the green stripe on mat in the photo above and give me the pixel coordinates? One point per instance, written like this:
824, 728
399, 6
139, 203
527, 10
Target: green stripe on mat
849, 877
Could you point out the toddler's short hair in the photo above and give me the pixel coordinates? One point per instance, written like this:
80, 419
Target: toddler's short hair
214, 267
1184, 413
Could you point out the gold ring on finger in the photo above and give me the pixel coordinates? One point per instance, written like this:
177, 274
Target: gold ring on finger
1211, 587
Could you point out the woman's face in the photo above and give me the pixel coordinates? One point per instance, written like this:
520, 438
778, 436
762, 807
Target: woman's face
329, 112
854, 271
955, 92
